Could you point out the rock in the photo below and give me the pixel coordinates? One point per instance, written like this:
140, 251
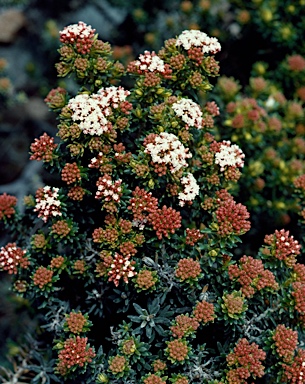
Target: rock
36, 109
11, 22
100, 15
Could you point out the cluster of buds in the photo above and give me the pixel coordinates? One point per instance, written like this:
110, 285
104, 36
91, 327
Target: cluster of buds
159, 365
228, 87
47, 203
39, 241
20, 286
56, 98
121, 268
80, 36
118, 364
247, 359
181, 379
295, 371
7, 205
298, 294
146, 280
252, 276
74, 353
80, 266
299, 183
128, 346
108, 190
283, 246
103, 266
296, 63
108, 235
232, 219
142, 204
127, 248
76, 322
42, 277
212, 108
177, 350
246, 114
71, 173
61, 228
42, 148
76, 193
193, 235
153, 379
285, 340
204, 311
165, 221
183, 326
57, 262
299, 273
125, 226
12, 257
188, 269
233, 304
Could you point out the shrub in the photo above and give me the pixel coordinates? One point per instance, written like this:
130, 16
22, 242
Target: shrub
127, 257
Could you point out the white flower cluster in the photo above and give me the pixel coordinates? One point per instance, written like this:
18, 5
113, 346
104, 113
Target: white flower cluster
121, 268
11, 257
73, 31
151, 62
49, 205
189, 112
91, 112
195, 38
169, 150
190, 191
229, 155
109, 190
113, 96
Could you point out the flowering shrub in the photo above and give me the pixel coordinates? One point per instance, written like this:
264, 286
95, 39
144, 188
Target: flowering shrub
128, 258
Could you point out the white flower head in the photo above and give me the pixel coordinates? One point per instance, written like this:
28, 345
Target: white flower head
150, 62
169, 150
190, 189
91, 112
189, 112
113, 96
48, 205
80, 35
73, 31
229, 155
194, 38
